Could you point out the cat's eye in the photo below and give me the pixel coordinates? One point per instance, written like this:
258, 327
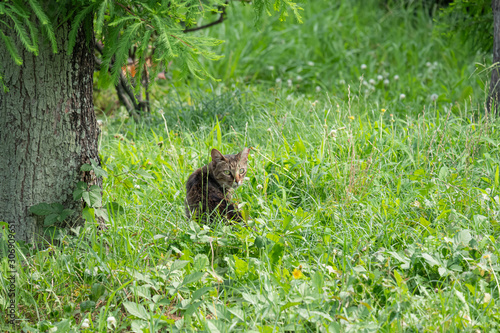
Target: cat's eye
227, 172
242, 171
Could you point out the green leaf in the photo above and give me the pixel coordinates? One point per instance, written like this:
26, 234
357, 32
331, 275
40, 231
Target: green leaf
64, 214
200, 292
42, 209
78, 192
241, 266
103, 213
276, 253
463, 238
86, 168
430, 260
317, 281
191, 278
136, 310
87, 305
50, 219
88, 214
97, 291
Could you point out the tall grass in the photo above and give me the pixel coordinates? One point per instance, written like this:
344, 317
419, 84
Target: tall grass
372, 212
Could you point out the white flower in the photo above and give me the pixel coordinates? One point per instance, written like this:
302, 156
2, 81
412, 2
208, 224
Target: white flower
137, 186
428, 64
434, 97
289, 82
333, 133
402, 96
386, 82
310, 63
278, 80
342, 81
99, 122
486, 298
259, 187
299, 78
363, 66
271, 68
85, 323
396, 77
318, 88
372, 81
246, 178
289, 97
379, 77
111, 320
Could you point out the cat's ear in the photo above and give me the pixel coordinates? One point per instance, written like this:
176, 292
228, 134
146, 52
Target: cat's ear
217, 156
243, 155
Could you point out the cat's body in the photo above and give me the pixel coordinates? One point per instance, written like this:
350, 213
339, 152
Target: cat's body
210, 188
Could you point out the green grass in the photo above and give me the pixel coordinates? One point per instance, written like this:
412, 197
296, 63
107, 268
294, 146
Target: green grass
366, 220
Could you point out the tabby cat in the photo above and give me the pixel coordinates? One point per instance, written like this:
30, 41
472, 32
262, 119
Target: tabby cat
209, 189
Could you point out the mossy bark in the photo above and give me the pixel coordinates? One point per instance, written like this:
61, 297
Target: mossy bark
48, 129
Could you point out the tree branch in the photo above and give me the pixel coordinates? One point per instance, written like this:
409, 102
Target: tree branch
220, 20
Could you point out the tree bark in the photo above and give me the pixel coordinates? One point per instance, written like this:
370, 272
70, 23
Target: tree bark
494, 95
48, 129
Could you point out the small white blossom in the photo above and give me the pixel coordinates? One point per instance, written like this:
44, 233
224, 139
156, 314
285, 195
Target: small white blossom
271, 68
259, 187
428, 64
111, 320
310, 63
85, 323
402, 96
365, 83
99, 122
246, 178
278, 80
372, 81
363, 66
289, 97
386, 82
318, 88
342, 81
289, 82
299, 78
486, 298
137, 186
333, 133
396, 77
379, 77
434, 97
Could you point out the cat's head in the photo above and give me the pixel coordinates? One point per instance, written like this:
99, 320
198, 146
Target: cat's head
229, 170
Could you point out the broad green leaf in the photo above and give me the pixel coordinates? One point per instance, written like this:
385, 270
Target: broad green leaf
241, 266
191, 278
200, 292
136, 310
42, 209
97, 291
276, 253
430, 260
50, 219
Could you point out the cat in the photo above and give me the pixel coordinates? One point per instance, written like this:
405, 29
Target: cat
209, 189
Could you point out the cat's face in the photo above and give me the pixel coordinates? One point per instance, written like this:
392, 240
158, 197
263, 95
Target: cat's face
229, 170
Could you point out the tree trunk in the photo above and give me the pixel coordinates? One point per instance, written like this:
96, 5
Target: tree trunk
48, 129
494, 95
